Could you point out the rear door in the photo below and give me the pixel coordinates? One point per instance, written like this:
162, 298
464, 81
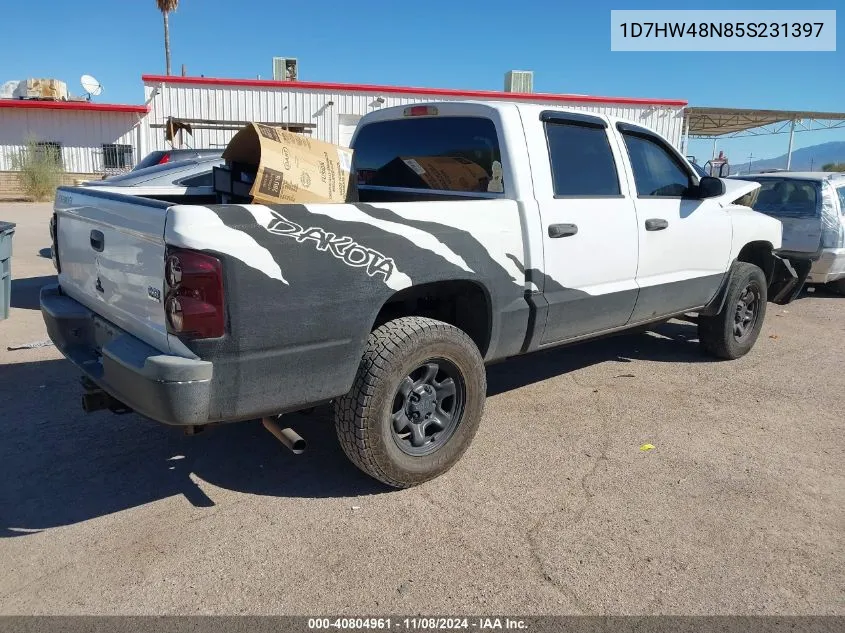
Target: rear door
589, 226
684, 243
111, 258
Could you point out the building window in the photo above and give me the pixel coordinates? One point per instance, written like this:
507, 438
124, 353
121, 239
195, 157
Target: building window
49, 150
117, 156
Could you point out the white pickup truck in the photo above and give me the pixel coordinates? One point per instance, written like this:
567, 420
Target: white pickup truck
483, 231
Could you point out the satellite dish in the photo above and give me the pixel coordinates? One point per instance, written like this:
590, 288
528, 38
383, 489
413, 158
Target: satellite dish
91, 86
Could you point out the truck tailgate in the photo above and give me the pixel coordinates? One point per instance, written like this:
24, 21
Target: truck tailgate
111, 256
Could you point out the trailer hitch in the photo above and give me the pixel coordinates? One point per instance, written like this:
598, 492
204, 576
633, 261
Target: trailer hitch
96, 399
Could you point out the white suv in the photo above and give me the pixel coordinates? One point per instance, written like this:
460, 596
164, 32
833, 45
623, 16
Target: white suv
811, 207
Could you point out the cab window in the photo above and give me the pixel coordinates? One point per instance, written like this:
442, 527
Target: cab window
657, 172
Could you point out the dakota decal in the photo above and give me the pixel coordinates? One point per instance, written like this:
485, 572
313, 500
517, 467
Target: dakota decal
342, 247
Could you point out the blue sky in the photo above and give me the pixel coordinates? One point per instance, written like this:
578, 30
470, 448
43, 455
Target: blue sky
434, 43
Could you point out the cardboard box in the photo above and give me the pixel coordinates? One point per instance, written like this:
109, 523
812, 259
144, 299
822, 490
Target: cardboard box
448, 173
292, 167
442, 173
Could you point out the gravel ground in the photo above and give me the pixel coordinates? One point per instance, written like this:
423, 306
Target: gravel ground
554, 510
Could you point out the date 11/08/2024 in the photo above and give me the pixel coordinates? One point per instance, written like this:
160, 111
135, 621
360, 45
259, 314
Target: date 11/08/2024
416, 624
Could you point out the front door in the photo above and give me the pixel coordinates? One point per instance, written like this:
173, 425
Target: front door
589, 230
684, 243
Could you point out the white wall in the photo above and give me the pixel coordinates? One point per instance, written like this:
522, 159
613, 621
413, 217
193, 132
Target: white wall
81, 134
297, 105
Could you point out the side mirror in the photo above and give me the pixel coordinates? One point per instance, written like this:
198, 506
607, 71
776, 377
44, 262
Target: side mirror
709, 187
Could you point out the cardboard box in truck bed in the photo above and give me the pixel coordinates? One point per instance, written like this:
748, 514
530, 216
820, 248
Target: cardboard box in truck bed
292, 167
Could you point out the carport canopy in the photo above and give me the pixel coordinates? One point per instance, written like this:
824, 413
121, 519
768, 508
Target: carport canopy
736, 122
716, 123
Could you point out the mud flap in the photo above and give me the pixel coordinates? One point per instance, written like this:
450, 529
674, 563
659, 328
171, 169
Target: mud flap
788, 279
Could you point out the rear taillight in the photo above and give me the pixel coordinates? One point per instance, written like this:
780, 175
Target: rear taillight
193, 299
54, 242
833, 233
164, 159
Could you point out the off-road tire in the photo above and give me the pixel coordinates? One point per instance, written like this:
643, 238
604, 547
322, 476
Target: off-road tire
716, 332
363, 416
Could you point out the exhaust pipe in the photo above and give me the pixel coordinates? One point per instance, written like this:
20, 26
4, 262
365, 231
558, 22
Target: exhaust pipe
286, 436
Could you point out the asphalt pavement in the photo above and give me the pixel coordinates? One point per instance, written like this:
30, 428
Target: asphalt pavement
738, 509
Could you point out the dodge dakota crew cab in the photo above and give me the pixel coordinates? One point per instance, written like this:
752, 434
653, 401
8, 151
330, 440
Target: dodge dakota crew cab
482, 231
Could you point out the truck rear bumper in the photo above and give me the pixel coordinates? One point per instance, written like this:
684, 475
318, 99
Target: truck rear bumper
166, 388
830, 266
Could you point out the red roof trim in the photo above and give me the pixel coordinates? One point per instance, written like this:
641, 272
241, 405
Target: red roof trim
85, 106
435, 92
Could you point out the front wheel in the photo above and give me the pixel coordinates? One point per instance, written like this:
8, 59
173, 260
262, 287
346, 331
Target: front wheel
732, 332
416, 402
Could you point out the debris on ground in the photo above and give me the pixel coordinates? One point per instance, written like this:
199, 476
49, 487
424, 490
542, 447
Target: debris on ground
773, 336
625, 376
646, 447
33, 345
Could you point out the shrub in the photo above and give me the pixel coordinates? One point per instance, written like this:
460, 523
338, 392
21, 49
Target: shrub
833, 167
40, 168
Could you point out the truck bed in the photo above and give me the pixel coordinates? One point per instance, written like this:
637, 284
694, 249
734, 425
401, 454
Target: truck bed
303, 283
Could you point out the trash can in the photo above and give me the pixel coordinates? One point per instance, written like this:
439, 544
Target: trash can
7, 231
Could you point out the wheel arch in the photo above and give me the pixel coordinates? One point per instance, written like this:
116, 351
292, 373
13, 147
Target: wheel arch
761, 254
464, 303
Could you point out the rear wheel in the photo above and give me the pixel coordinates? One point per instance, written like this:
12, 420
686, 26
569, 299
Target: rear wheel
416, 402
732, 332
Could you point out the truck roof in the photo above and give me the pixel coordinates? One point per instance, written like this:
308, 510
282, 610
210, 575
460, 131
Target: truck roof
531, 109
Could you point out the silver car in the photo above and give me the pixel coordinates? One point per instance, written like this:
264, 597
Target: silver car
811, 207
170, 181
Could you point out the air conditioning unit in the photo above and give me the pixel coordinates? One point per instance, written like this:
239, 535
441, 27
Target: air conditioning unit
285, 69
7, 89
45, 89
519, 81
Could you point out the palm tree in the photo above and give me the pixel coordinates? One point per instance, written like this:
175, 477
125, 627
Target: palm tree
166, 6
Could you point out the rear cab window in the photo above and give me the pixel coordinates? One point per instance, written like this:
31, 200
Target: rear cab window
437, 154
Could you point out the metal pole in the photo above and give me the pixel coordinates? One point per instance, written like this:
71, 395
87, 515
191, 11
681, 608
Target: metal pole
714, 149
686, 135
789, 152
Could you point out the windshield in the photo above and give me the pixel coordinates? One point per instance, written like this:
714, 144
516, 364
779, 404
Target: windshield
787, 198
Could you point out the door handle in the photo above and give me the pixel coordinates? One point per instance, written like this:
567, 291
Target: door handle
562, 230
656, 224
98, 241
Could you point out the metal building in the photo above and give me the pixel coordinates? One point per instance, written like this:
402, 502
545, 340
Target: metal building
92, 139
88, 138
216, 108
